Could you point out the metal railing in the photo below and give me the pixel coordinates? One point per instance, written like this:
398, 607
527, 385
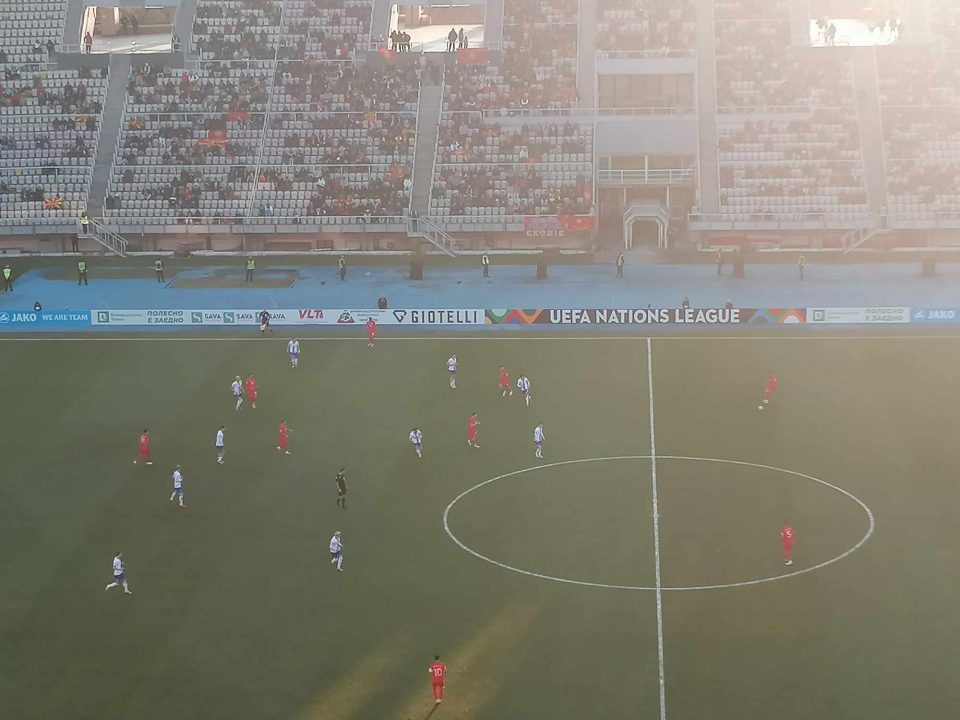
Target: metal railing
646, 177
243, 219
628, 111
424, 227
112, 242
645, 54
786, 220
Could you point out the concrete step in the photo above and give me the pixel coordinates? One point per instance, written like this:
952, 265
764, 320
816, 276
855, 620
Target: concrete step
708, 174
109, 131
428, 130
866, 92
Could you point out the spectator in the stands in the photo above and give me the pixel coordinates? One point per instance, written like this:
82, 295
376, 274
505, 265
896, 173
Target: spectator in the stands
87, 43
452, 40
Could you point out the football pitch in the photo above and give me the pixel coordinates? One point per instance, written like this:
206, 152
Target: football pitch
635, 572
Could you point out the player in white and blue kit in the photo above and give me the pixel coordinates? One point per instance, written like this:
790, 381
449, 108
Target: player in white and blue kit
452, 371
119, 578
219, 445
416, 439
336, 551
538, 438
523, 385
237, 388
177, 486
293, 347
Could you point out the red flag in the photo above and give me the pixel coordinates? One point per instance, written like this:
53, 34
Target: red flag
472, 56
577, 223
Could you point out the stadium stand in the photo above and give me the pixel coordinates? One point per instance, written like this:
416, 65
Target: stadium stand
49, 128
920, 98
30, 33
325, 29
237, 29
627, 26
488, 170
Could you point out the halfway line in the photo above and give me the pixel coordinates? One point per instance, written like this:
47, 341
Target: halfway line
656, 532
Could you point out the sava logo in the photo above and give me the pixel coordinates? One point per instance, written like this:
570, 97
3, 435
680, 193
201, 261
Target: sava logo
400, 315
345, 318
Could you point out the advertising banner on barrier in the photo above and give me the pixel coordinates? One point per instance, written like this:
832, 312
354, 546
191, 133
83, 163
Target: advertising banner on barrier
288, 316
12, 320
646, 316
858, 315
935, 316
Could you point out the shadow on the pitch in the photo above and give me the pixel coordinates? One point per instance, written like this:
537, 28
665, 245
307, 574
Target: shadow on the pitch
435, 707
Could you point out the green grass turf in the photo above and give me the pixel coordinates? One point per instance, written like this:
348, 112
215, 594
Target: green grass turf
238, 614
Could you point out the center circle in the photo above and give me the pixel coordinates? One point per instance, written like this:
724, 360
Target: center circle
871, 524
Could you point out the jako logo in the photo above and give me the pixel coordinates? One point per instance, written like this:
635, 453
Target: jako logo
400, 315
4, 317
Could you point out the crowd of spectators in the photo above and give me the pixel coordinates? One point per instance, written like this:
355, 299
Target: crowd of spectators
805, 163
751, 9
920, 106
511, 190
537, 68
465, 138
325, 29
237, 29
758, 67
319, 86
340, 139
215, 88
653, 27
49, 129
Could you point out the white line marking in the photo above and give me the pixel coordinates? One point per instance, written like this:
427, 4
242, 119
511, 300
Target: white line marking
656, 531
493, 336
682, 588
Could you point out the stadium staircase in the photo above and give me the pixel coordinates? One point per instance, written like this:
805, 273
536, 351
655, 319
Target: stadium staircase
426, 229
72, 37
381, 19
708, 173
863, 62
110, 131
586, 55
106, 238
425, 153
651, 211
493, 24
183, 27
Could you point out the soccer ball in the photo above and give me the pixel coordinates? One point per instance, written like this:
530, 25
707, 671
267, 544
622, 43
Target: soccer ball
759, 407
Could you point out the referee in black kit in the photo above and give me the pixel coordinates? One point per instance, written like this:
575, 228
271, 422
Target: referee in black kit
342, 489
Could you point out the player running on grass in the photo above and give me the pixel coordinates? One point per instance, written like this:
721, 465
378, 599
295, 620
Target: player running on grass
786, 537
237, 388
293, 348
342, 488
282, 439
336, 551
371, 332
452, 371
538, 438
416, 439
768, 391
438, 674
177, 486
523, 385
119, 576
251, 389
472, 425
219, 445
504, 378
144, 452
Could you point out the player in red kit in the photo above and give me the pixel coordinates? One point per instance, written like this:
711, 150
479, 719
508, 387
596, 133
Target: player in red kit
786, 537
472, 431
251, 390
282, 440
371, 331
768, 391
505, 386
438, 672
144, 452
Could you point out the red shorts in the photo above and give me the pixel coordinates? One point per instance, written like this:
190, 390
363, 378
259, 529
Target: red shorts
768, 393
144, 453
438, 691
283, 442
787, 547
471, 434
504, 385
371, 336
